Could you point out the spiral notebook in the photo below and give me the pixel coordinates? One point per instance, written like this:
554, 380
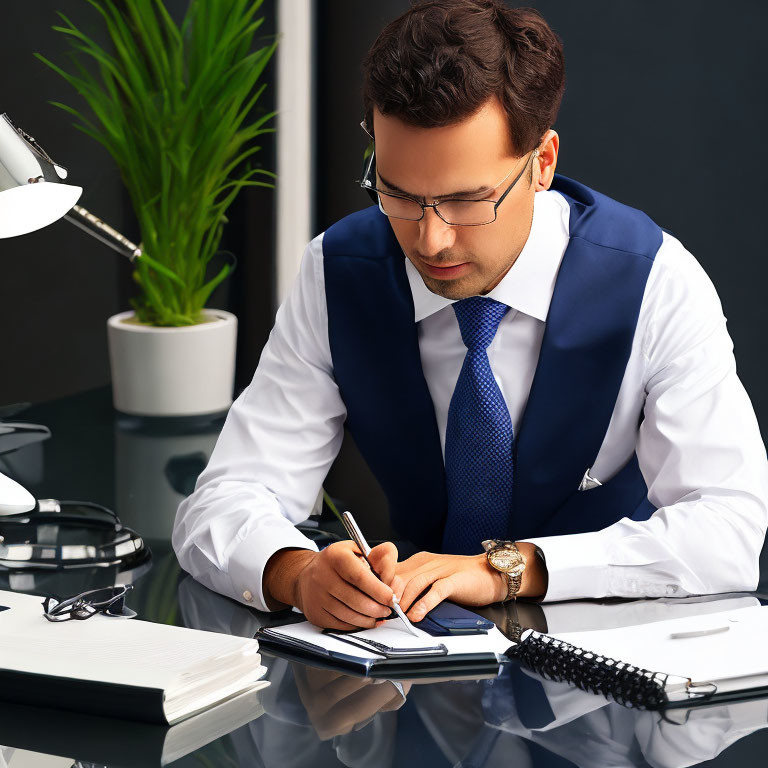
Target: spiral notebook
690, 660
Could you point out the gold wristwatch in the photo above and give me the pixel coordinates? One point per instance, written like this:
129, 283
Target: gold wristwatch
504, 556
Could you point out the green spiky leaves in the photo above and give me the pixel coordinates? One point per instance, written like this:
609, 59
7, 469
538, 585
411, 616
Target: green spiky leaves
177, 108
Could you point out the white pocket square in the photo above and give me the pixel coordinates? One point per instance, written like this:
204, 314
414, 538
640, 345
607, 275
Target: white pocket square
588, 482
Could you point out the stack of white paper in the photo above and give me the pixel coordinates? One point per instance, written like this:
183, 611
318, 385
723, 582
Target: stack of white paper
177, 671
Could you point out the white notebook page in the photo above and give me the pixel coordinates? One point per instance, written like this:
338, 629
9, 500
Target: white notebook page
393, 635
738, 652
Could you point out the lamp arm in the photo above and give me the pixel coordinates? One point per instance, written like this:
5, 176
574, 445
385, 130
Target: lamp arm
95, 227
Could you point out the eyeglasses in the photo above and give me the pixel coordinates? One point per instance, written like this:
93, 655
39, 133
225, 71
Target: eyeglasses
109, 601
454, 211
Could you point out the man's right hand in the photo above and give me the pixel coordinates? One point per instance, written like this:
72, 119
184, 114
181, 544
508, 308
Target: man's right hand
337, 703
333, 588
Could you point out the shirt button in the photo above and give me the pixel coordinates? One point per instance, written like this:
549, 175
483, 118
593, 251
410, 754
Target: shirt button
247, 596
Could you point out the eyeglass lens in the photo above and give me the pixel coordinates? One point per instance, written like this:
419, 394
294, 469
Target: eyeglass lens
466, 212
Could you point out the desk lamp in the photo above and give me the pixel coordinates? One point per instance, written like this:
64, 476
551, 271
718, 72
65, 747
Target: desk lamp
32, 196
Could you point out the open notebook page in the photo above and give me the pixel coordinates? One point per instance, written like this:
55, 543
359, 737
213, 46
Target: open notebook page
393, 635
737, 652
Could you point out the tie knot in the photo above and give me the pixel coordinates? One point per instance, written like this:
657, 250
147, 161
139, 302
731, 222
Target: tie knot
479, 317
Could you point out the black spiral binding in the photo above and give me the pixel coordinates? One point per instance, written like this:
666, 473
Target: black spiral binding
560, 661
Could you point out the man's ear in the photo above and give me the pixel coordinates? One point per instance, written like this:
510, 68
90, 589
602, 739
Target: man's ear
545, 162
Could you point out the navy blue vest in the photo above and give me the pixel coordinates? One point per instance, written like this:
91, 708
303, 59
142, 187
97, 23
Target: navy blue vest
584, 353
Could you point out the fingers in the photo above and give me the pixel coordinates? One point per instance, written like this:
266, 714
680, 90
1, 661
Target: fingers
337, 589
398, 587
440, 590
394, 703
355, 570
345, 613
340, 689
383, 559
356, 708
357, 600
414, 562
420, 582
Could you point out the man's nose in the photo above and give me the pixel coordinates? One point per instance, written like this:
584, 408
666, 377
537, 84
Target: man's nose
434, 234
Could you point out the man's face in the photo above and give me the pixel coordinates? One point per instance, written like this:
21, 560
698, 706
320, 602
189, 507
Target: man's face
432, 164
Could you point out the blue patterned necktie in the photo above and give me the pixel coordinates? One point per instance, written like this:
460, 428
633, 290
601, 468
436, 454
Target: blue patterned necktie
478, 439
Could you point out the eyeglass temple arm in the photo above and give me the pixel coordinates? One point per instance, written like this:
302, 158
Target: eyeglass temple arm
364, 126
535, 153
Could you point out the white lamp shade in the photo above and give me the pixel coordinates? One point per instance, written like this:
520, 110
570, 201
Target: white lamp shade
34, 206
32, 190
14, 498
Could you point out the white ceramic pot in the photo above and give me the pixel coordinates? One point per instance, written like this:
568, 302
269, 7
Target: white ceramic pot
186, 371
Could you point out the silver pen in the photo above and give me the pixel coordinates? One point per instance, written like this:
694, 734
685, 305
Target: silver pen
698, 633
357, 536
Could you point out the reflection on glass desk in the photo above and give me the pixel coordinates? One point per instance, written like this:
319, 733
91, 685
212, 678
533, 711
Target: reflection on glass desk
313, 717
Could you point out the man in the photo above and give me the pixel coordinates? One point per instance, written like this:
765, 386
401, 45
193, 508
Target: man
528, 367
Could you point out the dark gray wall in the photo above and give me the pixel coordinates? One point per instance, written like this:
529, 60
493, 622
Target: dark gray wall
58, 286
664, 109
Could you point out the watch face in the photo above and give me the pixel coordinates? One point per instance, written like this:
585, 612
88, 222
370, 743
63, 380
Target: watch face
504, 559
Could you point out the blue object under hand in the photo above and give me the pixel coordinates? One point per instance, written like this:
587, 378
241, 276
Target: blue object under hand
447, 618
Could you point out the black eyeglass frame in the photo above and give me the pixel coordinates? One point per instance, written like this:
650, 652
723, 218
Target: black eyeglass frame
372, 189
84, 606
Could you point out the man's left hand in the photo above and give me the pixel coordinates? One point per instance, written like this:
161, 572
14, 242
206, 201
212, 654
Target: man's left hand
465, 579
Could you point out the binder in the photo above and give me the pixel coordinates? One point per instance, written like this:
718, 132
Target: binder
689, 661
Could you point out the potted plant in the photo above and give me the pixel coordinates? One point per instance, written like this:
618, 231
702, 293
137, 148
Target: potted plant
174, 105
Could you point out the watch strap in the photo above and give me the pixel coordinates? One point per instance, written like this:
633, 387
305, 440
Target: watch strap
514, 581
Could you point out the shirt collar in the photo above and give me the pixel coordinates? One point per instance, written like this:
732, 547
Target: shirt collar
529, 284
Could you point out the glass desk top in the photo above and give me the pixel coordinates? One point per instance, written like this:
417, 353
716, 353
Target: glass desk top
313, 717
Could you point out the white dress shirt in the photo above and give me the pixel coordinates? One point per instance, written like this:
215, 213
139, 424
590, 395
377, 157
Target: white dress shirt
699, 446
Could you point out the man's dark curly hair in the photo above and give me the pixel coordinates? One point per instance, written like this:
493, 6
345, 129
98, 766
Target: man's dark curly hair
442, 60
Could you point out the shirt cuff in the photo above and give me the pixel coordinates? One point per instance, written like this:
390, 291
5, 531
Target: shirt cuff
577, 565
249, 558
